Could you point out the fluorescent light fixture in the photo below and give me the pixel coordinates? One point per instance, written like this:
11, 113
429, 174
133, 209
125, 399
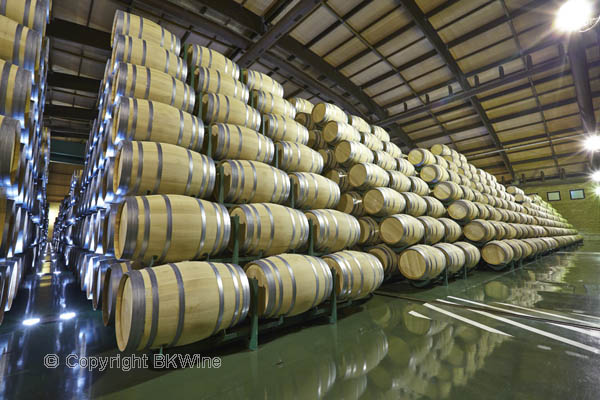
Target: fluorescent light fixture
592, 143
67, 315
574, 15
597, 191
31, 321
596, 176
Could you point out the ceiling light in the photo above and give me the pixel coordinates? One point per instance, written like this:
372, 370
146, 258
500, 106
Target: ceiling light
574, 15
592, 143
596, 176
597, 191
31, 321
67, 315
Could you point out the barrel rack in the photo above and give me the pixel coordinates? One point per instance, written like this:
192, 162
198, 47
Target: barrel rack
250, 330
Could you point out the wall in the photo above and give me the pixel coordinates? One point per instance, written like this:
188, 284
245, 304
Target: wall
583, 214
53, 208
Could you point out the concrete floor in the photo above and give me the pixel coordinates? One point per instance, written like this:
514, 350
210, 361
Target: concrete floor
529, 334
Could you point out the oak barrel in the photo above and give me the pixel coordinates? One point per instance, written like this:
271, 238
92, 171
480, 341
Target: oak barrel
20, 45
479, 230
404, 166
369, 231
316, 140
340, 177
384, 160
421, 262
472, 254
360, 124
279, 127
434, 207
10, 150
418, 186
133, 25
365, 176
433, 173
401, 230
152, 121
32, 13
258, 81
326, 112
172, 228
302, 105
392, 149
200, 56
290, 284
419, 157
110, 287
252, 182
399, 182
348, 153
497, 252
351, 203
387, 257
334, 132
334, 230
380, 133
218, 108
239, 143
268, 103
415, 205
383, 201
358, 273
314, 191
296, 157
213, 81
155, 168
176, 304
434, 229
15, 90
463, 210
452, 230
371, 141
270, 228
455, 256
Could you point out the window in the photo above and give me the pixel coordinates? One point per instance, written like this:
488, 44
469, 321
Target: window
553, 196
577, 194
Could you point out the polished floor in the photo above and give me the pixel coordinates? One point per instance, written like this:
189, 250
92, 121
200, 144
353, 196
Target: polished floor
532, 333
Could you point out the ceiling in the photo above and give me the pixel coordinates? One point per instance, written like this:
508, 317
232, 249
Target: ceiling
491, 79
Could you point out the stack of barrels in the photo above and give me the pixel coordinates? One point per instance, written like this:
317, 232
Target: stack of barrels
151, 207
24, 142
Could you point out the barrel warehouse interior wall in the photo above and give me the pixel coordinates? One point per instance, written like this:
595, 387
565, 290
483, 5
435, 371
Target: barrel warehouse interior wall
584, 213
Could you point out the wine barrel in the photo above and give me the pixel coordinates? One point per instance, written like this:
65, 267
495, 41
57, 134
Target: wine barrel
433, 229
8, 211
267, 103
435, 208
15, 90
371, 141
130, 50
316, 140
290, 284
383, 201
128, 24
172, 228
442, 162
199, 56
384, 160
10, 150
380, 133
152, 121
497, 252
349, 153
340, 177
433, 173
270, 228
472, 254
415, 205
99, 273
447, 191
419, 157
369, 231
392, 149
20, 45
452, 230
155, 168
499, 229
463, 210
418, 186
326, 112
365, 176
399, 182
405, 167
334, 230
351, 203
302, 105
401, 230
213, 81
421, 262
296, 157
334, 132
455, 256
440, 150
239, 143
387, 257
358, 274
110, 287
314, 191
479, 230
516, 248
360, 124
177, 304
148, 84
328, 158
279, 128
258, 81
218, 108
252, 182
468, 193
306, 121
32, 14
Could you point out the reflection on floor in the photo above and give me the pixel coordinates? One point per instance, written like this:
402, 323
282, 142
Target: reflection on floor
529, 334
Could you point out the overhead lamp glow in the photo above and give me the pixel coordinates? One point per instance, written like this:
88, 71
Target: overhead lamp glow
592, 143
596, 176
31, 321
574, 15
597, 191
67, 315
